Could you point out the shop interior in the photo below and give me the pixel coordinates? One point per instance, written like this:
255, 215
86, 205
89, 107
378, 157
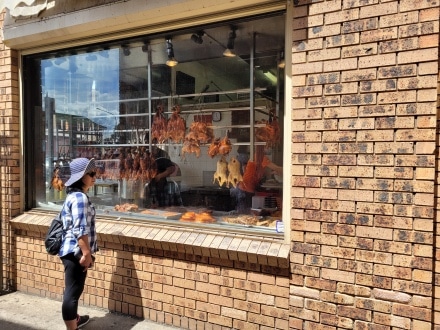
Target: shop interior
209, 99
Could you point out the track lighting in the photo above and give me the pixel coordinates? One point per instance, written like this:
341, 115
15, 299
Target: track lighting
281, 62
228, 53
72, 67
170, 52
230, 46
46, 63
197, 37
59, 58
104, 52
91, 57
126, 50
270, 76
145, 47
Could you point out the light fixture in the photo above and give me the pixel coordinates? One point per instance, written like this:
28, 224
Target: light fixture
91, 57
170, 52
281, 62
197, 37
104, 52
145, 47
59, 58
228, 53
230, 46
270, 76
73, 67
46, 63
126, 50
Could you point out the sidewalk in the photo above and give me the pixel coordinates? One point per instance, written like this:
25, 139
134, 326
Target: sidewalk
20, 311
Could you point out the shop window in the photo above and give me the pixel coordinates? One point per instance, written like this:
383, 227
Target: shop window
217, 119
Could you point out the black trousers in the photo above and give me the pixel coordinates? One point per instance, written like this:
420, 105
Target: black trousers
74, 279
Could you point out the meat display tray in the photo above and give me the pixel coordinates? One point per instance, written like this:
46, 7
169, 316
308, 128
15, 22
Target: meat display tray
147, 213
160, 214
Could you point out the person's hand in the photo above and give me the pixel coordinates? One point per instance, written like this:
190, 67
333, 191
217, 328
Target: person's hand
278, 172
86, 261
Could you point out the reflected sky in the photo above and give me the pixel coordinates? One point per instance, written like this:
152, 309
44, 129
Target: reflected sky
84, 84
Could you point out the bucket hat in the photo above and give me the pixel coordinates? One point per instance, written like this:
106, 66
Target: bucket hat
79, 167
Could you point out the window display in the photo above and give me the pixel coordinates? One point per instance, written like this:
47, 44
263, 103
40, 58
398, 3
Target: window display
185, 126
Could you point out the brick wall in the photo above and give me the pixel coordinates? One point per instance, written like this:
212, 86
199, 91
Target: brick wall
9, 159
365, 76
364, 196
436, 290
180, 289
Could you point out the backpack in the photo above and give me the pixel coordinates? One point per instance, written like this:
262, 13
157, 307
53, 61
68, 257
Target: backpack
54, 236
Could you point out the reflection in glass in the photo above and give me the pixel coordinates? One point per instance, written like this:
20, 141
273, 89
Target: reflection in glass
124, 105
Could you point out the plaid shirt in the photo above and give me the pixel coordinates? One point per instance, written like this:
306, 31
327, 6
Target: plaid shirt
78, 216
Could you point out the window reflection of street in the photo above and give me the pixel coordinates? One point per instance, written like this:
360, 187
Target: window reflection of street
101, 102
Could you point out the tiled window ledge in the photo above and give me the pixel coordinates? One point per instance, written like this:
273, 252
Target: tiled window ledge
198, 241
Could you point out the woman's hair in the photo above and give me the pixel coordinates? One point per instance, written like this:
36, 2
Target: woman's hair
75, 186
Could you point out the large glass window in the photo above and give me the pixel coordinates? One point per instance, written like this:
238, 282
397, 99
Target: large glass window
203, 108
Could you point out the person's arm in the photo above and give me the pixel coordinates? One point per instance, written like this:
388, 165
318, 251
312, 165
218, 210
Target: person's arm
267, 163
276, 168
81, 228
165, 173
86, 259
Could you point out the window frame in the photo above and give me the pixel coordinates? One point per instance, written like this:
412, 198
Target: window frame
30, 196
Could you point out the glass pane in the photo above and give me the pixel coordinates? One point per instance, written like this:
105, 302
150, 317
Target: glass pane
214, 122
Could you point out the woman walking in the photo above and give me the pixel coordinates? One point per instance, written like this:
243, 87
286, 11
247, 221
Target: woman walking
79, 242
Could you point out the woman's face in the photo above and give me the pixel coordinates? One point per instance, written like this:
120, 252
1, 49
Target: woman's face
89, 179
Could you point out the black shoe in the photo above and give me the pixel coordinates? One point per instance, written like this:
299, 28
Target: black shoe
82, 320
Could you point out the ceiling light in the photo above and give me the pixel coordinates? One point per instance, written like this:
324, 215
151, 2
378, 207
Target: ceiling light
197, 37
231, 41
269, 75
281, 62
91, 57
145, 47
126, 50
228, 53
73, 67
46, 63
170, 52
171, 62
104, 52
59, 59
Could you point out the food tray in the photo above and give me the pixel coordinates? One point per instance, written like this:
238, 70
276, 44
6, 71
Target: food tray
249, 221
160, 214
147, 213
